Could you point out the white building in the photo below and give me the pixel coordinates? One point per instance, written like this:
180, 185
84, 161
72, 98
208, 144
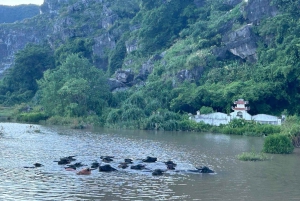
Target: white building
266, 119
239, 112
215, 119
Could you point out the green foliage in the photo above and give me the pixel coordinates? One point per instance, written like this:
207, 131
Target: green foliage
249, 128
278, 144
137, 100
76, 88
32, 117
114, 116
19, 84
252, 156
291, 128
117, 56
161, 25
206, 110
186, 37
82, 47
290, 6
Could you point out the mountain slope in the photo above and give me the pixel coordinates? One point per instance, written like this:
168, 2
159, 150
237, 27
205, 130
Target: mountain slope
173, 56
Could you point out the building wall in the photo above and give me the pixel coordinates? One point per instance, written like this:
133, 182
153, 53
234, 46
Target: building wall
215, 119
266, 119
218, 118
245, 115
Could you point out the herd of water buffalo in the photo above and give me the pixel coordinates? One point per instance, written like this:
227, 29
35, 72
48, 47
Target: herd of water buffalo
128, 163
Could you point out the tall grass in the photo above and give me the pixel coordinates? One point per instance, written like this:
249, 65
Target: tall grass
252, 156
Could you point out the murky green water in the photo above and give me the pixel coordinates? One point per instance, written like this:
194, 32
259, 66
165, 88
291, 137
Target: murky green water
20, 145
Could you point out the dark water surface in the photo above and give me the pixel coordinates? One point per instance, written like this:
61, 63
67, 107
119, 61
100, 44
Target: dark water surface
21, 145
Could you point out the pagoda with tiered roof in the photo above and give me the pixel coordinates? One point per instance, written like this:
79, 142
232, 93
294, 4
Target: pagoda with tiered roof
240, 105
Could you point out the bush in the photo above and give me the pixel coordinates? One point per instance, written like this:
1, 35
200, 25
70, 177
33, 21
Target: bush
154, 122
170, 125
114, 116
278, 144
206, 110
252, 156
34, 117
249, 128
58, 120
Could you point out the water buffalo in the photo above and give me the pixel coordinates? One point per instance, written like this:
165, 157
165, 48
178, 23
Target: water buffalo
95, 165
128, 160
157, 172
137, 167
170, 165
107, 159
106, 168
38, 165
123, 165
65, 160
86, 171
205, 169
150, 159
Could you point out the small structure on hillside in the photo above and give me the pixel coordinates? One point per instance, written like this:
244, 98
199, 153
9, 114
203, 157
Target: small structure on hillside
239, 112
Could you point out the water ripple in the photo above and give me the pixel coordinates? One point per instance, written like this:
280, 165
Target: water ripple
23, 145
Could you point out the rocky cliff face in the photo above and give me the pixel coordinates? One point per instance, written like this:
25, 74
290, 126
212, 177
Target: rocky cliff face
14, 37
242, 41
60, 20
256, 10
99, 20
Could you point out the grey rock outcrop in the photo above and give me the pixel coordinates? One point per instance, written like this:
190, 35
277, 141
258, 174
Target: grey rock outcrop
13, 39
258, 9
241, 42
59, 22
131, 45
52, 6
115, 84
124, 76
101, 44
148, 66
189, 75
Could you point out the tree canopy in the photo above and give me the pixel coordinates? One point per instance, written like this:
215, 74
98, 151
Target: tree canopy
19, 84
75, 88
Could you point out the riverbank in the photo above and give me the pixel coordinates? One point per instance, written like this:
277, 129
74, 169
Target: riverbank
287, 134
164, 121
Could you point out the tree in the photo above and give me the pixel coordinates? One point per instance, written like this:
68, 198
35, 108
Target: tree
30, 64
76, 88
82, 47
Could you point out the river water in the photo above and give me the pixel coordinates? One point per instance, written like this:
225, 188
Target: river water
22, 145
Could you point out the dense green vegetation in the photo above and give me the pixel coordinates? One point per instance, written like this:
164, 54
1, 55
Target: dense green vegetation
278, 144
73, 89
64, 83
19, 85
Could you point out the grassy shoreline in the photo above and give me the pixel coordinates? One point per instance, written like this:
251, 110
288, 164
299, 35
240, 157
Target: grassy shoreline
280, 139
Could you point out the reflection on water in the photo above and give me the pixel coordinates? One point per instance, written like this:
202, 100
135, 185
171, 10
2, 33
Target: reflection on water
22, 145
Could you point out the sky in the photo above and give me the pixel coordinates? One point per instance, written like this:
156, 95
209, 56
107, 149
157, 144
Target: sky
17, 2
